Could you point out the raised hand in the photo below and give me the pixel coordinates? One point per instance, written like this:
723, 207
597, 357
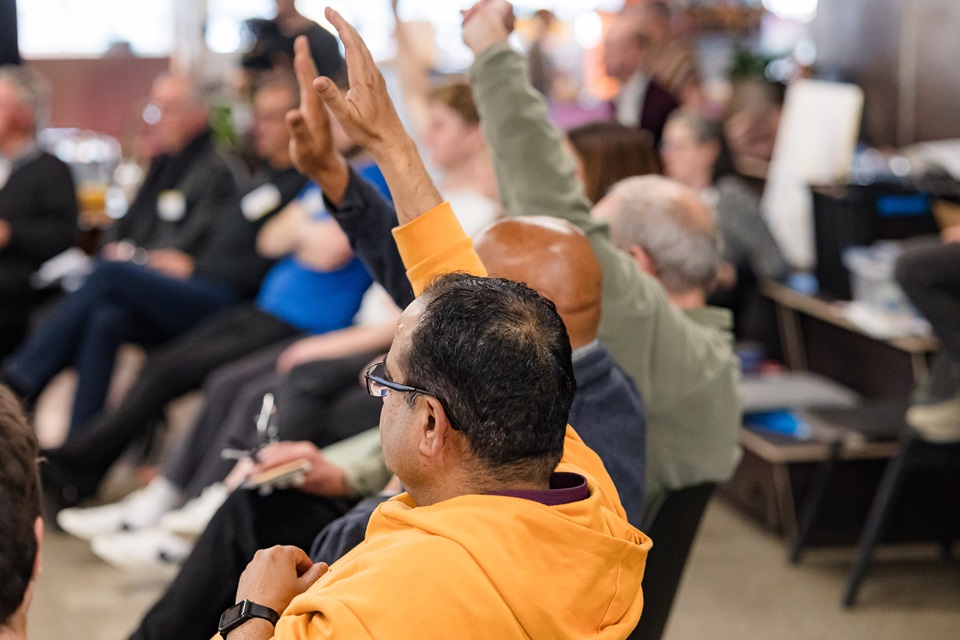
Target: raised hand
366, 112
311, 144
487, 23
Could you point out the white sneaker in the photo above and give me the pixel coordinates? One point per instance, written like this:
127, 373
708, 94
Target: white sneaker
191, 519
147, 548
938, 422
140, 509
94, 521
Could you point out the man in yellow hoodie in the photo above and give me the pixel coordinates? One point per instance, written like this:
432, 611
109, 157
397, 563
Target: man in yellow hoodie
510, 527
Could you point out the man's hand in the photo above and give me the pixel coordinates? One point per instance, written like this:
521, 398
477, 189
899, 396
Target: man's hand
369, 118
4, 234
277, 575
366, 112
487, 23
323, 479
311, 144
172, 263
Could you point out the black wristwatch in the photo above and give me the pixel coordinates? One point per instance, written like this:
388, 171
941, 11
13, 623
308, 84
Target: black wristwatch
243, 611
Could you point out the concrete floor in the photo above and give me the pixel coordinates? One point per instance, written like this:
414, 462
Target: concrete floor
738, 586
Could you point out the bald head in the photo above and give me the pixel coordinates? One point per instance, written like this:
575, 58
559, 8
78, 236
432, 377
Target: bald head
669, 222
553, 257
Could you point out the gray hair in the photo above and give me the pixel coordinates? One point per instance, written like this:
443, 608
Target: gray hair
33, 91
680, 237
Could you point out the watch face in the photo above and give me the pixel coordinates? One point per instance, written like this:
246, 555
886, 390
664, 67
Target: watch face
231, 615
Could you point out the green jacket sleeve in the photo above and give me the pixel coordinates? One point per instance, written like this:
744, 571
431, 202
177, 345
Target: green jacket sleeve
535, 173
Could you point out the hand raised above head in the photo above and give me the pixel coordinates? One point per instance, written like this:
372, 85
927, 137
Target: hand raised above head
311, 144
487, 23
366, 112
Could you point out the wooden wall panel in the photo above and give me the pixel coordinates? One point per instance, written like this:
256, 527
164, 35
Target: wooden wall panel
937, 74
102, 94
904, 53
857, 41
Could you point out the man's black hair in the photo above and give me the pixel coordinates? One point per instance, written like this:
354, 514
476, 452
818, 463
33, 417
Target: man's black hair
498, 354
19, 505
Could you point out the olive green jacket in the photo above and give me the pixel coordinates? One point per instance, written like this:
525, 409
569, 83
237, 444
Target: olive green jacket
682, 362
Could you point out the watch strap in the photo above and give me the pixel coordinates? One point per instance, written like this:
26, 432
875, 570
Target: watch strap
244, 611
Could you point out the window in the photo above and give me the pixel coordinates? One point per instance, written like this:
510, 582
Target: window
90, 27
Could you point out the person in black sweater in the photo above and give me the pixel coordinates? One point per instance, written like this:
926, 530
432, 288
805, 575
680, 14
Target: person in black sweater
164, 292
273, 43
38, 203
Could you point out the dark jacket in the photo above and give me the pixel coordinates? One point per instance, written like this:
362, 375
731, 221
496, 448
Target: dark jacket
202, 187
658, 104
39, 203
230, 256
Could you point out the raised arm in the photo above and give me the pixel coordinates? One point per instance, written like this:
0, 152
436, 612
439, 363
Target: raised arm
358, 208
437, 243
368, 116
536, 175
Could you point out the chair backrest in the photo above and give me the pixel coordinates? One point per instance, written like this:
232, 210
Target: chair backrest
672, 528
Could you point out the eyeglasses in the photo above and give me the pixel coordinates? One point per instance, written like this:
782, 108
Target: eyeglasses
379, 386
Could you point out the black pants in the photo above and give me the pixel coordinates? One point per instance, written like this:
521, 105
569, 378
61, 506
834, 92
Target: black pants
929, 273
169, 373
207, 583
320, 401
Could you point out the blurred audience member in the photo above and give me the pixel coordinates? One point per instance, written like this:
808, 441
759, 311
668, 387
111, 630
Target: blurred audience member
608, 152
695, 153
21, 527
929, 273
447, 126
456, 146
642, 101
38, 203
317, 399
673, 60
541, 68
294, 300
273, 43
753, 116
191, 268
187, 184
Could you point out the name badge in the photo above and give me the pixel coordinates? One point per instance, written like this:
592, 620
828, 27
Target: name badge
260, 202
171, 205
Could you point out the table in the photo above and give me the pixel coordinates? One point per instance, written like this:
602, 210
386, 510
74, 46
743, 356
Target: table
817, 337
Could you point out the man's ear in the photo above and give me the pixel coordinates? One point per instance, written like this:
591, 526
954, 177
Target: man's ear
435, 428
643, 260
38, 531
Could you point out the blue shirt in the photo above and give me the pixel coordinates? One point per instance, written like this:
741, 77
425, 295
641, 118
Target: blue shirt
311, 300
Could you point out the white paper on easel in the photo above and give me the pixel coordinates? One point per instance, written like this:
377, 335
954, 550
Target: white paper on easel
815, 143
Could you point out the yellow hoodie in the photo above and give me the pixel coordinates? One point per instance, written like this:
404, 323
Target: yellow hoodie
485, 567
481, 566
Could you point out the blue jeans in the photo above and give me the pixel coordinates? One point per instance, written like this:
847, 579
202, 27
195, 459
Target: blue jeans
120, 302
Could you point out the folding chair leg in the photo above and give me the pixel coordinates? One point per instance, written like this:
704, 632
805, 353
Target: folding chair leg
879, 516
813, 503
